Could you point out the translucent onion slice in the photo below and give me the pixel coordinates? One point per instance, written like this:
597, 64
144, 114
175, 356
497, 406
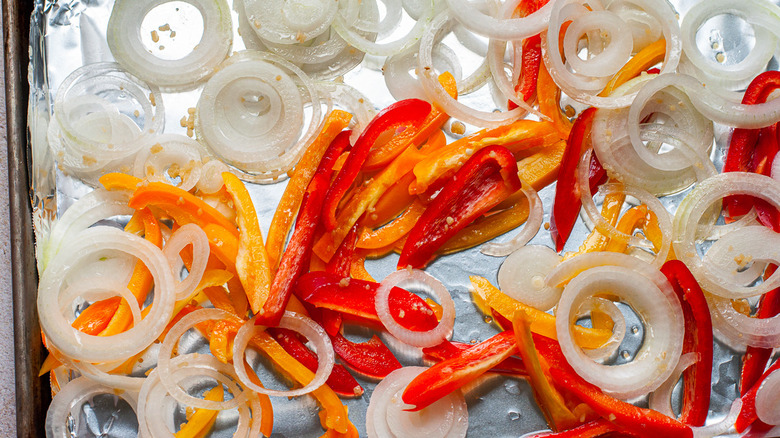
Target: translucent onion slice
64, 413
167, 158
768, 399
411, 278
522, 275
723, 426
194, 371
297, 323
288, 22
531, 227
400, 71
186, 235
340, 95
251, 114
739, 330
756, 243
386, 415
763, 17
80, 346
647, 291
438, 95
583, 79
210, 181
126, 46
504, 29
661, 399
609, 308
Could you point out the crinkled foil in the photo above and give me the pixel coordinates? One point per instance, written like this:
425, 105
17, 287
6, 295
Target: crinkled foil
68, 34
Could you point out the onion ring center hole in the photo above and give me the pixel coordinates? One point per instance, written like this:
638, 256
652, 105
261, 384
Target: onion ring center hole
729, 47
255, 104
104, 413
172, 30
632, 341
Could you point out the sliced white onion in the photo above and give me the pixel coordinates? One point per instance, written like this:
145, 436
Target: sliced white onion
210, 181
763, 17
410, 278
124, 40
167, 157
193, 370
346, 97
400, 71
504, 29
768, 399
739, 330
661, 399
582, 80
522, 275
757, 243
66, 406
532, 226
647, 291
167, 366
387, 417
188, 234
288, 22
723, 426
439, 96
297, 323
603, 305
251, 115
80, 346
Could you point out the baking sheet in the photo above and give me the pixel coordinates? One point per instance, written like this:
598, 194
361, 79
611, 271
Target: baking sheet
68, 34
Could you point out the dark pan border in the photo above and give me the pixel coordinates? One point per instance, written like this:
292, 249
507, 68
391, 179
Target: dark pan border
32, 392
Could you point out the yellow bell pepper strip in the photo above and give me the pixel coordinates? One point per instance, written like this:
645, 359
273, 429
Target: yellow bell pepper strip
238, 296
380, 156
541, 322
637, 218
550, 401
219, 298
408, 114
219, 339
266, 408
351, 433
518, 136
488, 227
120, 181
282, 221
390, 233
364, 200
646, 58
393, 202
181, 205
610, 210
222, 244
201, 422
457, 371
487, 178
645, 422
295, 258
252, 264
548, 95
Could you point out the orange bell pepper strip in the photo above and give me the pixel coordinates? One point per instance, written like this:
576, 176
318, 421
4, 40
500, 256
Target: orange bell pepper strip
181, 205
200, 423
541, 323
364, 200
120, 181
646, 58
550, 401
548, 95
252, 264
283, 218
518, 136
390, 233
219, 338
380, 156
636, 218
223, 244
610, 209
393, 202
358, 268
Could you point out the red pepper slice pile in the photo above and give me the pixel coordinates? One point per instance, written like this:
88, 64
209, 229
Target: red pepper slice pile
486, 179
532, 55
697, 339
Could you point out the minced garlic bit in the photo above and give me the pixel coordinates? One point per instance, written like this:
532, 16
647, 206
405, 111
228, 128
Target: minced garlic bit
546, 225
157, 148
165, 27
155, 36
458, 128
136, 113
450, 220
344, 282
151, 99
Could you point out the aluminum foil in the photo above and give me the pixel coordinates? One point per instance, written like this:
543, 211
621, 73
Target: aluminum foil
68, 34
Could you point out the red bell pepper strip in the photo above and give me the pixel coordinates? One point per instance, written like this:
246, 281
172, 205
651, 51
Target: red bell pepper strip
295, 258
697, 339
340, 380
743, 152
447, 350
342, 260
487, 178
644, 422
567, 203
371, 358
591, 429
351, 296
532, 54
747, 415
409, 113
451, 374
755, 359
